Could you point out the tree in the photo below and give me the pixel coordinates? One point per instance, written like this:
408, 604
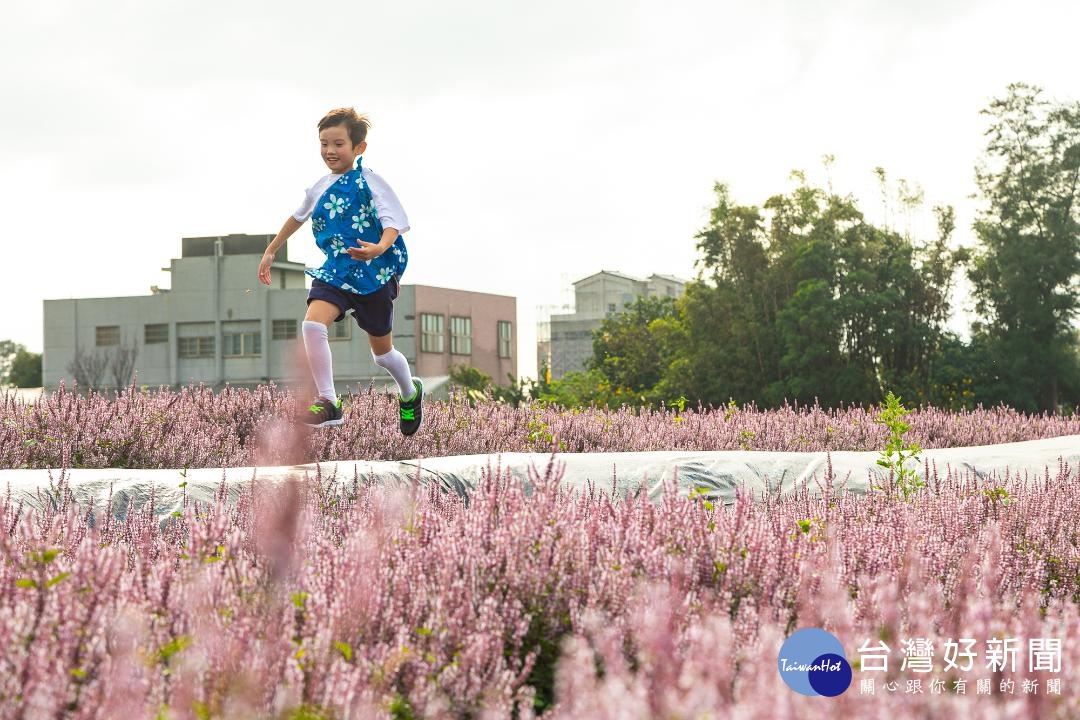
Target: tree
809, 301
122, 364
631, 347
477, 384
25, 371
88, 368
1025, 272
582, 389
8, 350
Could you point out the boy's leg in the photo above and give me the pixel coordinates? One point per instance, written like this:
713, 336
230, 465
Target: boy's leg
410, 389
389, 358
320, 314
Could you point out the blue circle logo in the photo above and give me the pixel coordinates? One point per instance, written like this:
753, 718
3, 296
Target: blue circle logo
813, 662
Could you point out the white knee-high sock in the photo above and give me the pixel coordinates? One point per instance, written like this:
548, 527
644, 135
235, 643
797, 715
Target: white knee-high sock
317, 344
396, 364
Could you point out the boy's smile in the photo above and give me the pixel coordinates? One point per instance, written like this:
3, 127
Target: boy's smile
338, 152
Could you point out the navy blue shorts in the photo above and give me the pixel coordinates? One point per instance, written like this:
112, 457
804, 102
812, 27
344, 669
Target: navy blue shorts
374, 312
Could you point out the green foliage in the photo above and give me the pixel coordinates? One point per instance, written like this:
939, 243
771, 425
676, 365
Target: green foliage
174, 647
539, 434
479, 386
400, 709
8, 350
582, 389
309, 712
898, 451
804, 300
998, 494
25, 370
1025, 272
18, 366
345, 649
630, 347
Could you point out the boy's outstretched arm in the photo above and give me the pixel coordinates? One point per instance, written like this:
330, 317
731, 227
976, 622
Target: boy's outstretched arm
291, 225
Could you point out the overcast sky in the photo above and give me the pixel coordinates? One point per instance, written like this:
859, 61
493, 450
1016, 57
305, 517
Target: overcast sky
532, 144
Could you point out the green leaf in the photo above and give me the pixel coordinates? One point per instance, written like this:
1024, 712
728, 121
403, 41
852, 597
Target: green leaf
26, 583
58, 579
45, 556
345, 649
174, 646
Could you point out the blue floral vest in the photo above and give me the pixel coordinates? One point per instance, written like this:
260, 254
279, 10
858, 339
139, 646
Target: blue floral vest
344, 213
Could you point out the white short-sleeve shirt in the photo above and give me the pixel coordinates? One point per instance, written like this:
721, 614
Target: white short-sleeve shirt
387, 205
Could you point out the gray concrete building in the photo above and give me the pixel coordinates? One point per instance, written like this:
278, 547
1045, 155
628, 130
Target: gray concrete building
219, 325
565, 340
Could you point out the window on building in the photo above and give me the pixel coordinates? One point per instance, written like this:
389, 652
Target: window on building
241, 338
460, 335
155, 333
506, 331
196, 347
283, 329
341, 330
107, 335
241, 344
431, 333
611, 307
195, 340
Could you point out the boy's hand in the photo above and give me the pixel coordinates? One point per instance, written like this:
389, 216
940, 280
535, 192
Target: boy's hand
264, 268
367, 251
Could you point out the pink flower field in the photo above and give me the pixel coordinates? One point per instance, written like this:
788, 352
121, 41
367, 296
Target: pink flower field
195, 428
324, 599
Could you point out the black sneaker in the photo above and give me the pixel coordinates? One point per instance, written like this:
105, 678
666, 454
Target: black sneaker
412, 410
322, 413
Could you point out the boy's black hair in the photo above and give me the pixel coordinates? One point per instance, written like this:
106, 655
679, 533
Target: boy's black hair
357, 124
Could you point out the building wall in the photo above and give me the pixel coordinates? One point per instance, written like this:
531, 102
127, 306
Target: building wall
571, 343
220, 292
485, 311
604, 293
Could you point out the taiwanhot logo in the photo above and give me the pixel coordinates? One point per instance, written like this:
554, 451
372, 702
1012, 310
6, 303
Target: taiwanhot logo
813, 662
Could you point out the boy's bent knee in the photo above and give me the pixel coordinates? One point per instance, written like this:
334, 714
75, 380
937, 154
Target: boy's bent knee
322, 312
381, 345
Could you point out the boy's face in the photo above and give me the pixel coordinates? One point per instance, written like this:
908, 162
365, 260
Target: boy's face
338, 152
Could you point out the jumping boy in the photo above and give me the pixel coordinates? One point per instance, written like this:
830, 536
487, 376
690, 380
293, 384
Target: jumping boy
358, 222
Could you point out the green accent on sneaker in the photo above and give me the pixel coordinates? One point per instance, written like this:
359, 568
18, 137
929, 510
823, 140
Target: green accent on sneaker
316, 408
412, 410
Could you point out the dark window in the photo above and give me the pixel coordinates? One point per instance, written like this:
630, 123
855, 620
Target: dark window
107, 335
283, 329
156, 333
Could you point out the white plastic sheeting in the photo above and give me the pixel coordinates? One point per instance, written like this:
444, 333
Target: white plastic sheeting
718, 474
